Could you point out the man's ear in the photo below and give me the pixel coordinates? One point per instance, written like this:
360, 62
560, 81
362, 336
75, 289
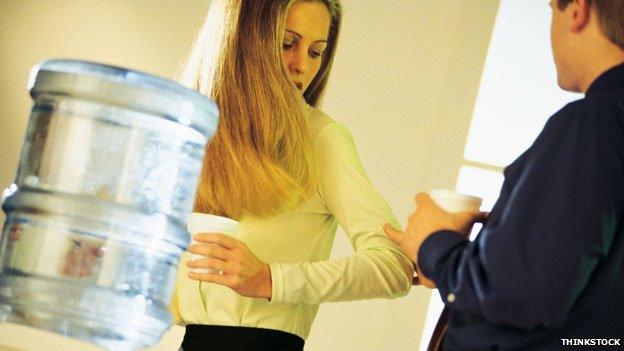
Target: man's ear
581, 12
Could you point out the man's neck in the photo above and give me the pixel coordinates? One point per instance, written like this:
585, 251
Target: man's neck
599, 62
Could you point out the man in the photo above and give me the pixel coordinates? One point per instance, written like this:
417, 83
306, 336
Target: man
547, 269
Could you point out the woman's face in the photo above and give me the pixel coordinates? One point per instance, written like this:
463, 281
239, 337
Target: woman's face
305, 39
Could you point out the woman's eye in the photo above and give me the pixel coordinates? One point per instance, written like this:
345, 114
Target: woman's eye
287, 45
315, 54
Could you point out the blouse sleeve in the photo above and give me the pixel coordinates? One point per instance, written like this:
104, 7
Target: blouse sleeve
378, 268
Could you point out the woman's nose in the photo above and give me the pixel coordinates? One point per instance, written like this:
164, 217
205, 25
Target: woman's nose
299, 62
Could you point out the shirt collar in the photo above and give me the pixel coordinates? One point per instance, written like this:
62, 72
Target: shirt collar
611, 80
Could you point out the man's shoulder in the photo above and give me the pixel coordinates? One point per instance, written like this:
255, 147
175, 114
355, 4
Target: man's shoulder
592, 121
589, 113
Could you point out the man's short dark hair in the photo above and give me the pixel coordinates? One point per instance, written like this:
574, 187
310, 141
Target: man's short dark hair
610, 16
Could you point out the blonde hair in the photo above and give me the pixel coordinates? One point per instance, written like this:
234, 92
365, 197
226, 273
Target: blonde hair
261, 160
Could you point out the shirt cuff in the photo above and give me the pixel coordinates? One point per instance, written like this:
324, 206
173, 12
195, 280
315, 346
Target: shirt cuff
277, 290
287, 283
434, 249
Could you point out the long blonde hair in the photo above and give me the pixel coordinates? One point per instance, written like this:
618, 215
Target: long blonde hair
262, 159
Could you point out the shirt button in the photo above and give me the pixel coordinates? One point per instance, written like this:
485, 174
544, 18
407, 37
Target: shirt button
450, 298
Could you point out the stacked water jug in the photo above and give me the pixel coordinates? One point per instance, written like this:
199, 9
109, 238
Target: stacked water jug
96, 218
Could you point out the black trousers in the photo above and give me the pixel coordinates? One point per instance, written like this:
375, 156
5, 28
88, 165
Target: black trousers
219, 338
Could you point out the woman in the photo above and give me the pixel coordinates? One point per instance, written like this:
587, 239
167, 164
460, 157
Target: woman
288, 173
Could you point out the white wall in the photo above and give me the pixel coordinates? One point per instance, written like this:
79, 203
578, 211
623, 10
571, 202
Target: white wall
405, 80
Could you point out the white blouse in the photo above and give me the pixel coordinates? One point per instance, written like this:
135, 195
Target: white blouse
297, 245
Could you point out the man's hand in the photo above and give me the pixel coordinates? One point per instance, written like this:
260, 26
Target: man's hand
427, 219
408, 246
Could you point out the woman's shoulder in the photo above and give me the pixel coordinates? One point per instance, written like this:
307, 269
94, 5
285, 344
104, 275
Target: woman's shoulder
318, 120
332, 139
321, 125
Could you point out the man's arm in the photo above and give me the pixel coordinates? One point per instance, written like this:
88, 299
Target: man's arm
541, 244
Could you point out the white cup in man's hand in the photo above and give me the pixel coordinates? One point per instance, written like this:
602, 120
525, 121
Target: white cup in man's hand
206, 223
452, 201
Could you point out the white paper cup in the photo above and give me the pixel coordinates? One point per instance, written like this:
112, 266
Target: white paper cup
206, 223
452, 201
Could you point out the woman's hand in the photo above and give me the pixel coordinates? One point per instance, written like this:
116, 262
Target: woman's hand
235, 265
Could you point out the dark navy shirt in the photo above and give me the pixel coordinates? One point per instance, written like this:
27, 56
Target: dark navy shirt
549, 263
